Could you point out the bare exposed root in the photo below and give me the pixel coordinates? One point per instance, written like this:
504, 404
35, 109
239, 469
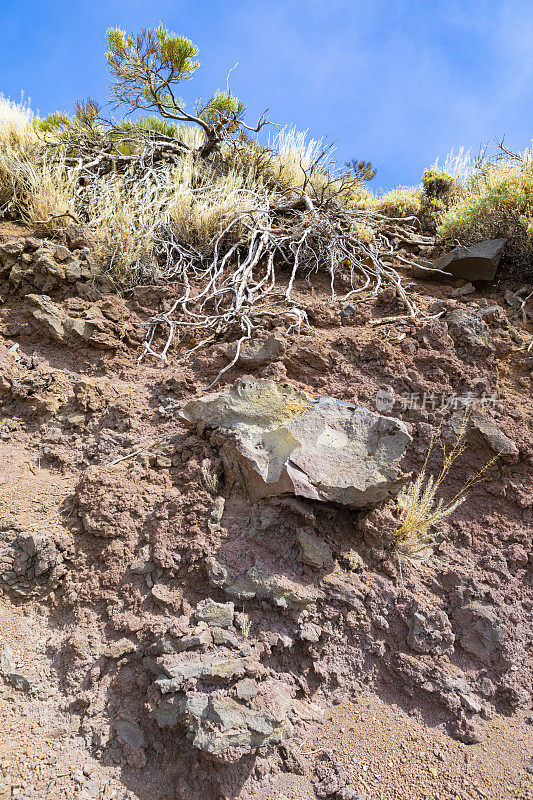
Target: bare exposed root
238, 286
231, 284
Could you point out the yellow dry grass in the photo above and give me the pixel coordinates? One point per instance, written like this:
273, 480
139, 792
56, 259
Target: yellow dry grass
418, 510
16, 125
124, 220
199, 215
49, 191
17, 142
293, 154
39, 187
402, 202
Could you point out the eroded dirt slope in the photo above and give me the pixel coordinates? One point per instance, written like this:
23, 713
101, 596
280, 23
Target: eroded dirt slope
320, 669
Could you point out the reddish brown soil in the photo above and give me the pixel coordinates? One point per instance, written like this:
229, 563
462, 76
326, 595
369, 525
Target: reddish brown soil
67, 413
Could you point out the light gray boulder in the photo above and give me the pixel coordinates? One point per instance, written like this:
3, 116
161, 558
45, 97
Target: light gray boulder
278, 440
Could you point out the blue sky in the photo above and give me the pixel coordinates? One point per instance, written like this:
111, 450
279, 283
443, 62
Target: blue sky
398, 82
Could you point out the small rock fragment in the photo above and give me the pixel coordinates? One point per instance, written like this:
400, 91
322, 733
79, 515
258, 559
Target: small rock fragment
61, 253
78, 237
130, 733
494, 437
141, 565
467, 328
430, 632
7, 663
19, 681
462, 291
293, 760
246, 689
310, 632
201, 639
224, 637
314, 551
119, 649
259, 354
218, 615
482, 633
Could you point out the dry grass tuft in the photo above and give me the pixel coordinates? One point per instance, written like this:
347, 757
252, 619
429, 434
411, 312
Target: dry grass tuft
48, 193
459, 166
401, 202
419, 512
124, 219
245, 625
199, 215
30, 180
293, 154
209, 480
190, 200
17, 143
16, 124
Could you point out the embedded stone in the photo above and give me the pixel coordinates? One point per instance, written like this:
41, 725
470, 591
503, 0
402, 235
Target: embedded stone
278, 440
478, 262
219, 615
314, 551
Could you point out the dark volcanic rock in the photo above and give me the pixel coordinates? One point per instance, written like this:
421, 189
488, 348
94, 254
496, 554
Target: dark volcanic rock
30, 563
476, 263
482, 632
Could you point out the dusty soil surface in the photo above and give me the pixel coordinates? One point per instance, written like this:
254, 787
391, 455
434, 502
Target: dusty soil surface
387, 754
116, 522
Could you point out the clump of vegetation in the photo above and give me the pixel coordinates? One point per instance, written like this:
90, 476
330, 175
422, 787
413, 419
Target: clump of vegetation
437, 184
361, 170
401, 202
17, 141
435, 199
16, 121
209, 479
364, 233
495, 201
418, 510
190, 195
245, 624
292, 155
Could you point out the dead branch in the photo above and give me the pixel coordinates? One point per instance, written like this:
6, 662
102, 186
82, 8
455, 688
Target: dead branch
56, 216
233, 287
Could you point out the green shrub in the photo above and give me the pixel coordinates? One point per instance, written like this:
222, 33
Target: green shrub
497, 202
53, 123
439, 187
437, 184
